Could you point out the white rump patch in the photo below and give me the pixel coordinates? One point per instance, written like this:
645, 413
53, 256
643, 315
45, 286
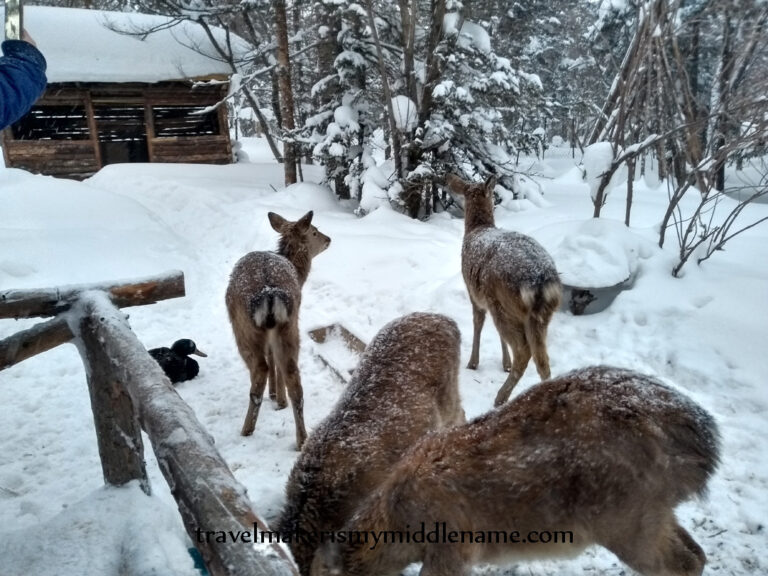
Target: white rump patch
280, 311
527, 295
552, 292
272, 304
261, 312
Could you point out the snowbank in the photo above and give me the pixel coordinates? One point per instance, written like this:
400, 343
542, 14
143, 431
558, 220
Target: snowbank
600, 253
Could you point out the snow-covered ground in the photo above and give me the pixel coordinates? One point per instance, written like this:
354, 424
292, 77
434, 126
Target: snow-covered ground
705, 333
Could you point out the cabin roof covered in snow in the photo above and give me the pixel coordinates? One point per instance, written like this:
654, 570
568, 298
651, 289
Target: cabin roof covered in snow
84, 46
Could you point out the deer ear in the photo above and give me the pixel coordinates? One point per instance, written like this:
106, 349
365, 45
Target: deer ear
277, 222
305, 221
456, 184
490, 183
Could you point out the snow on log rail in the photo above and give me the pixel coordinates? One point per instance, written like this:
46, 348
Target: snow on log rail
130, 392
51, 301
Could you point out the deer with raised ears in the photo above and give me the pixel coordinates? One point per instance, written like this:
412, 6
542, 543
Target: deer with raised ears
598, 456
263, 299
511, 276
405, 386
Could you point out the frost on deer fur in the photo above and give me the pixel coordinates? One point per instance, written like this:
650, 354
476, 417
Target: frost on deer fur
603, 453
269, 265
522, 259
405, 386
265, 286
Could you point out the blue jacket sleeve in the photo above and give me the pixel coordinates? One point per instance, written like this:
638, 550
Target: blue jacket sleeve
22, 79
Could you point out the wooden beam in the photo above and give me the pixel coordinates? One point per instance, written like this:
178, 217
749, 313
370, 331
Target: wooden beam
94, 131
27, 343
118, 433
6, 136
51, 301
208, 496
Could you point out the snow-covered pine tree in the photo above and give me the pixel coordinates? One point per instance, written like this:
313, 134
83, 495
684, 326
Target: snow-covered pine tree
341, 122
448, 89
485, 110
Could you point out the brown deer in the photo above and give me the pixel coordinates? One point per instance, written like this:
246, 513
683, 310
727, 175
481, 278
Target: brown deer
513, 277
263, 299
405, 385
598, 456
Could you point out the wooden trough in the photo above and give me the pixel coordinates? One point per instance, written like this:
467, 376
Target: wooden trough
354, 345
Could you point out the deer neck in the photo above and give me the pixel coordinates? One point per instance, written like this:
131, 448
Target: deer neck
476, 217
298, 255
384, 558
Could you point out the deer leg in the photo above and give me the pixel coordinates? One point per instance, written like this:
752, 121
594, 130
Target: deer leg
514, 333
276, 385
478, 319
257, 365
282, 401
666, 550
506, 364
536, 335
441, 561
271, 379
287, 355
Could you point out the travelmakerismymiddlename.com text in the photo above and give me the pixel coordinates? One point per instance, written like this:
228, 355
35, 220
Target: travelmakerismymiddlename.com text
434, 533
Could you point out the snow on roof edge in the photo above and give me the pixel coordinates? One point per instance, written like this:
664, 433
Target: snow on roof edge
81, 46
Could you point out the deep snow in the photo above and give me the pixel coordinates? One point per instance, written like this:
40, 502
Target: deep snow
704, 333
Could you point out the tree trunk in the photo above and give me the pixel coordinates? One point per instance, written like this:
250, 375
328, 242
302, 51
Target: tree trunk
286, 91
630, 189
387, 93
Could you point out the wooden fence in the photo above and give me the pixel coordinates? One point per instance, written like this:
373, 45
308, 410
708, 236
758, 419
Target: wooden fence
129, 392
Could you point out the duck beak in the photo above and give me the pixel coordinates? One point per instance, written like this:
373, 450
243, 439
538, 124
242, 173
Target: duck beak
199, 352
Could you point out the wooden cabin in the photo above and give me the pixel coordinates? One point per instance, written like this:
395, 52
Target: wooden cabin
114, 97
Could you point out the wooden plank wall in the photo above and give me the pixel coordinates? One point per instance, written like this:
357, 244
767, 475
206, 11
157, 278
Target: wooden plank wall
63, 158
81, 158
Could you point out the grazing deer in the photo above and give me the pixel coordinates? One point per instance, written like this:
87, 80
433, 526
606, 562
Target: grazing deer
405, 386
602, 453
263, 298
513, 277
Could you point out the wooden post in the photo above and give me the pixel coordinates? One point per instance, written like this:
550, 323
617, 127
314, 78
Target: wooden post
118, 433
93, 129
208, 496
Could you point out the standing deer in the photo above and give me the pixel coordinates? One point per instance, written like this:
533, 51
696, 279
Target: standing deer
602, 453
513, 277
263, 299
405, 386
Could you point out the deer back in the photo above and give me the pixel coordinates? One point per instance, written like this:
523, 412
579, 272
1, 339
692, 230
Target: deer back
254, 275
406, 385
599, 452
499, 265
